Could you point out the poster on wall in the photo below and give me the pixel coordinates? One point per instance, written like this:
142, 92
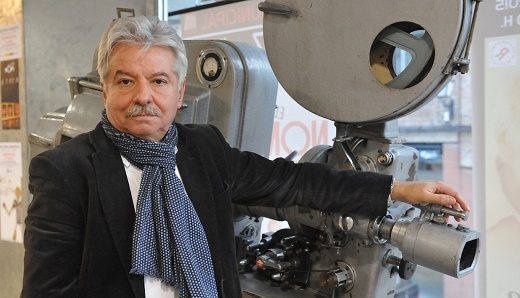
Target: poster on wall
497, 37
294, 128
10, 94
502, 114
10, 52
11, 214
10, 42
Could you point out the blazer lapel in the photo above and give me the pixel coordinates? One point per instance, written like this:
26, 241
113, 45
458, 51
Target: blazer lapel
116, 202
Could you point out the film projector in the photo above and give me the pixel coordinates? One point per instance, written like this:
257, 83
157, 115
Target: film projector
362, 65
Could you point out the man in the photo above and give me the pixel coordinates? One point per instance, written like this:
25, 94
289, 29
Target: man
85, 238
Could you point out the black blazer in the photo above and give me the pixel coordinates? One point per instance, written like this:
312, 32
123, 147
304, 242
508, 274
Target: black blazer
78, 233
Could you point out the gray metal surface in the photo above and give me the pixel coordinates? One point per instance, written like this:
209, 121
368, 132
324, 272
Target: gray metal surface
243, 101
320, 52
43, 137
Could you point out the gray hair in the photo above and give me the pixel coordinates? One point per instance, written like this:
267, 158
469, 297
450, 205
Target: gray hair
145, 31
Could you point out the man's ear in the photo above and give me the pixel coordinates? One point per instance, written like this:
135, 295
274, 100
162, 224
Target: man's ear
104, 93
181, 94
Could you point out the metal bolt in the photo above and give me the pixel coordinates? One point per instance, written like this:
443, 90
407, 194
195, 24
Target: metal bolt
386, 158
462, 228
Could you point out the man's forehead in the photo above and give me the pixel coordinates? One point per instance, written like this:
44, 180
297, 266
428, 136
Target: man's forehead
141, 50
147, 63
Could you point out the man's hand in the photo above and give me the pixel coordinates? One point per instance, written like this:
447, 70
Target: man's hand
420, 192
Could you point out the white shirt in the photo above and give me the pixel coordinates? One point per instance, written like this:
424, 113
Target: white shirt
153, 287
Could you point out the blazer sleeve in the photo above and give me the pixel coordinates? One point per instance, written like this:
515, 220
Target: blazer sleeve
255, 180
53, 233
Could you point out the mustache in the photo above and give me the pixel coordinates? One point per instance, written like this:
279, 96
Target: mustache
142, 110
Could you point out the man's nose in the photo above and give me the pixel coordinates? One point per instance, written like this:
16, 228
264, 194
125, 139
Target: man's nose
143, 92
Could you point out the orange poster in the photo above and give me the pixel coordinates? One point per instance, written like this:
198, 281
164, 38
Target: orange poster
10, 94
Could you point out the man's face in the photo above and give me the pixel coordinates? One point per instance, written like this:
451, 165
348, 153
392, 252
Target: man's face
141, 92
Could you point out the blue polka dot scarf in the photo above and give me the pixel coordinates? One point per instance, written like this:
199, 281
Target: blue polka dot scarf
169, 241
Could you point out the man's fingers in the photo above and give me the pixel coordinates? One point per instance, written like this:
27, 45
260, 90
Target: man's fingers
447, 200
451, 197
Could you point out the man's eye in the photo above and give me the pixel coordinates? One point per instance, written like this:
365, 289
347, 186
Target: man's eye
159, 82
125, 82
